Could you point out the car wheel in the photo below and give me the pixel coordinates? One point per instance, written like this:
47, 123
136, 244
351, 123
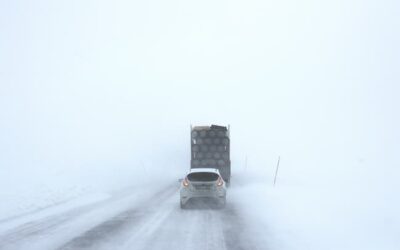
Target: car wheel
222, 202
183, 206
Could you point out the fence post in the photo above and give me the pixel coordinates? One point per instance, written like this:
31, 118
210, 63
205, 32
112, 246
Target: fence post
276, 171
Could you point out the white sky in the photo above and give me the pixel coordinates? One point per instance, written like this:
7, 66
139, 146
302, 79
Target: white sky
85, 84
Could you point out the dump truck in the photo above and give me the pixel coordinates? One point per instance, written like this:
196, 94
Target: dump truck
210, 148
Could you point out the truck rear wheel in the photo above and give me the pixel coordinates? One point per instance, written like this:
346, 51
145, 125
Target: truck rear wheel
183, 206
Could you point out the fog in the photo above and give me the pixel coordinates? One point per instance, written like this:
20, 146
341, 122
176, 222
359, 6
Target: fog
103, 93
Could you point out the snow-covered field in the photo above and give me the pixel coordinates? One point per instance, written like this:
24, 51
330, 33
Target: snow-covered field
320, 216
258, 216
97, 97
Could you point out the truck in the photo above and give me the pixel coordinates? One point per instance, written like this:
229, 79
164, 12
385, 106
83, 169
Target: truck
210, 148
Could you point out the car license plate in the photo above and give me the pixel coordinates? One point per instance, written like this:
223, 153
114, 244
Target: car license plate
203, 187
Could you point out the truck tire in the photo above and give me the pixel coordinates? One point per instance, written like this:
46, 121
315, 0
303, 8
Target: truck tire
204, 148
208, 141
183, 206
195, 134
195, 148
196, 163
221, 163
203, 133
212, 162
217, 155
221, 149
212, 133
199, 141
199, 155
221, 133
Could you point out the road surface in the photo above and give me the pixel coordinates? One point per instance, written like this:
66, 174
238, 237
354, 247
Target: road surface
123, 222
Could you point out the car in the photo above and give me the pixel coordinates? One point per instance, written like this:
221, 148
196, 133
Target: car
203, 183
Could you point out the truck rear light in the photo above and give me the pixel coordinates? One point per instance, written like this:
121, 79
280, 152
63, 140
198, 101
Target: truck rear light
220, 182
185, 182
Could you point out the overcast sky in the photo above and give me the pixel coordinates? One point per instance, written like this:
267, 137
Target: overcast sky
85, 84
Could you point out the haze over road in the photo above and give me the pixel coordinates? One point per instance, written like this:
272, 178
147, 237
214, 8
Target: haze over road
155, 222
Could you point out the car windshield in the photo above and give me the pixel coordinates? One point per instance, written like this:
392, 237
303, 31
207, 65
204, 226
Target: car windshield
203, 176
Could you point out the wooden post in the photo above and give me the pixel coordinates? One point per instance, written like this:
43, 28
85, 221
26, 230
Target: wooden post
276, 171
191, 148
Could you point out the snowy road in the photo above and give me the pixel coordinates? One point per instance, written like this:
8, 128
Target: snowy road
125, 221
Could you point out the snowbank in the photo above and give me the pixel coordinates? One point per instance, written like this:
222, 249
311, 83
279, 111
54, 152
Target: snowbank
27, 192
305, 216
